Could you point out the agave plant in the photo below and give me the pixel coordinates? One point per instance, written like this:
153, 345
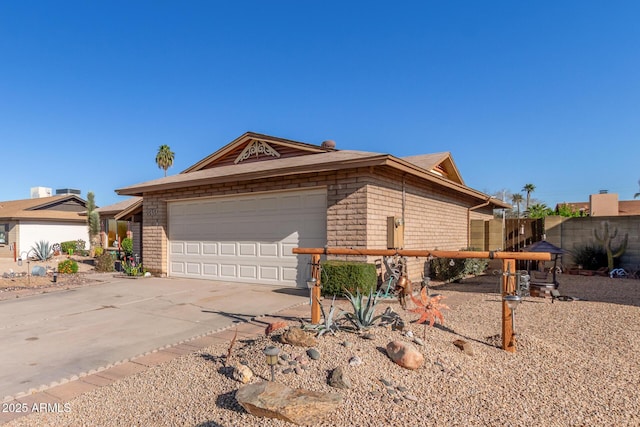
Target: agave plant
363, 313
329, 324
42, 250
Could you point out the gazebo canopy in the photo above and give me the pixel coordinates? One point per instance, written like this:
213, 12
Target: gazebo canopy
544, 246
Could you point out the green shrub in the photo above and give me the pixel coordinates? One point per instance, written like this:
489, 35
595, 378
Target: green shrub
341, 276
450, 270
446, 270
105, 263
98, 250
127, 246
68, 266
68, 246
591, 257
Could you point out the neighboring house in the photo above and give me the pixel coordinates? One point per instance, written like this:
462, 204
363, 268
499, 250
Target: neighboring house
54, 219
121, 220
237, 214
604, 204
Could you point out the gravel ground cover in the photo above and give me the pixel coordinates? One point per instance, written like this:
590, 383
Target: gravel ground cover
577, 364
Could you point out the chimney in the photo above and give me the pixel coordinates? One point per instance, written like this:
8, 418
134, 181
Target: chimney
329, 144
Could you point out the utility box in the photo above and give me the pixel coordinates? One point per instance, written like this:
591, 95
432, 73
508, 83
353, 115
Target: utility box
395, 232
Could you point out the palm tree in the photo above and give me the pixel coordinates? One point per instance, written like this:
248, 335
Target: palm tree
517, 199
164, 158
539, 210
528, 188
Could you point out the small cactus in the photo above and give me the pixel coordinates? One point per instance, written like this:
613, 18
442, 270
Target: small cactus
606, 240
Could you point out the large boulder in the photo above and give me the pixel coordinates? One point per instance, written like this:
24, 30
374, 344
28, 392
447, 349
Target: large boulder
298, 337
405, 355
298, 406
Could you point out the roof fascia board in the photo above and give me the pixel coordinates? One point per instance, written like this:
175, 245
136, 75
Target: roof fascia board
412, 169
325, 167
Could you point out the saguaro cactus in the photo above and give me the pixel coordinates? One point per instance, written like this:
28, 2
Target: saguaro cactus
607, 241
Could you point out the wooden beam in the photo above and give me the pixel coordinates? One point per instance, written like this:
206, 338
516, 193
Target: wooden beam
535, 256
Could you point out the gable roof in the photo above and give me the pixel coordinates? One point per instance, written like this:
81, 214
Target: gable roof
235, 148
66, 207
222, 166
117, 208
439, 164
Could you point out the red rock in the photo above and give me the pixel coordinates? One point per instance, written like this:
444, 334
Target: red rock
273, 326
405, 355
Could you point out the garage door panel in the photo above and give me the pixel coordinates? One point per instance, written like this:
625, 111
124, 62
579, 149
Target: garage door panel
289, 273
228, 249
193, 268
210, 270
209, 248
269, 272
247, 238
248, 272
268, 249
177, 248
228, 271
192, 248
248, 249
177, 268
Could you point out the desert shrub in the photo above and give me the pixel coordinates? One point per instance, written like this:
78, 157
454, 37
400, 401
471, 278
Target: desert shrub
127, 245
446, 270
105, 263
591, 257
475, 266
449, 270
341, 276
98, 250
68, 266
68, 246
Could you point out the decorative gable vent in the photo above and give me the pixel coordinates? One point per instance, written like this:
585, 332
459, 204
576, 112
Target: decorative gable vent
256, 148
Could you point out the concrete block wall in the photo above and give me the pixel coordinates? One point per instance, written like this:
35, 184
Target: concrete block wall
569, 233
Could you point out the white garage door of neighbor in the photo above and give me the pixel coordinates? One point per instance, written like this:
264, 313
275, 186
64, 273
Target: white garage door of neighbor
247, 238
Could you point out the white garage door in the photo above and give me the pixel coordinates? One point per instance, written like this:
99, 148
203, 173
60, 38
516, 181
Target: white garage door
247, 238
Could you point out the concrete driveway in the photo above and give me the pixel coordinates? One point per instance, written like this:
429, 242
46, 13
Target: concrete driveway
49, 337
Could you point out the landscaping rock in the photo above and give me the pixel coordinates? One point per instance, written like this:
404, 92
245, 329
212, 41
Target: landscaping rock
464, 346
339, 379
313, 353
405, 355
242, 373
38, 271
355, 361
298, 406
274, 326
298, 337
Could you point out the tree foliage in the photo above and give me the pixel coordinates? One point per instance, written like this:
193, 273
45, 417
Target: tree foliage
528, 188
164, 158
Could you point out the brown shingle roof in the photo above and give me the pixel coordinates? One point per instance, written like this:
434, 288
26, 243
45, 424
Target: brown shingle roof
318, 162
44, 208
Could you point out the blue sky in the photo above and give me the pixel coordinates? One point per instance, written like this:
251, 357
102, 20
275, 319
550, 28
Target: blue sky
541, 92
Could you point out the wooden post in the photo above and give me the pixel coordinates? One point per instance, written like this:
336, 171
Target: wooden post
508, 288
315, 291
